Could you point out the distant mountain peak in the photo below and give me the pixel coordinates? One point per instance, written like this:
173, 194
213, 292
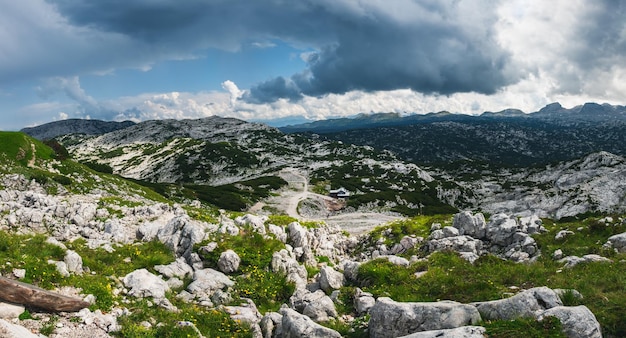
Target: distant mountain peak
75, 126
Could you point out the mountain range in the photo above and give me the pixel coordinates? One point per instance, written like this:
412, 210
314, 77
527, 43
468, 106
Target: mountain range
506, 161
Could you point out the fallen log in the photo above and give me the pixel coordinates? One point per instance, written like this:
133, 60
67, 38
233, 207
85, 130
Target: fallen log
34, 297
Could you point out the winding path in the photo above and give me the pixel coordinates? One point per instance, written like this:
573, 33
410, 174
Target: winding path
354, 222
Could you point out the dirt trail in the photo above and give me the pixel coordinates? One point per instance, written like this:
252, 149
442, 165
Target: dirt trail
31, 161
298, 191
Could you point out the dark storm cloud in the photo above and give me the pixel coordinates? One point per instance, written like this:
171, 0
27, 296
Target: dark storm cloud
428, 46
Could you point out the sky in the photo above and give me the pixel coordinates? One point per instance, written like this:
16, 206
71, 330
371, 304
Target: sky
285, 61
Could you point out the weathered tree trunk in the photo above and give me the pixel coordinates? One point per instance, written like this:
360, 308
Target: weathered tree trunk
29, 295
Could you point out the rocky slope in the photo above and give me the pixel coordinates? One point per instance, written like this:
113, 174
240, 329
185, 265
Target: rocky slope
594, 183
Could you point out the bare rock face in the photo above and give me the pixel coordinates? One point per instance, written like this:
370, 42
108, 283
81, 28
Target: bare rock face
524, 304
229, 261
394, 319
295, 325
577, 321
10, 311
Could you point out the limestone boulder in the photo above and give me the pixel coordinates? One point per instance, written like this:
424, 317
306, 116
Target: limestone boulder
470, 225
142, 283
295, 325
321, 309
461, 332
617, 242
330, 279
524, 304
229, 261
577, 321
272, 325
394, 319
206, 282
177, 269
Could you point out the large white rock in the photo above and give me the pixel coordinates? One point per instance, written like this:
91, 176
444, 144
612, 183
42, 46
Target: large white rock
141, 283
321, 309
393, 319
470, 225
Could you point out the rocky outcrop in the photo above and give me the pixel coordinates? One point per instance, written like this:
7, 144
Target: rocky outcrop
393, 319
504, 235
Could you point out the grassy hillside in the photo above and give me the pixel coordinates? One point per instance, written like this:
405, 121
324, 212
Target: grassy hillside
18, 147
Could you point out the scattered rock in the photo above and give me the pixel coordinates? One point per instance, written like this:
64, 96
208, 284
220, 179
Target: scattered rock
179, 269
74, 262
206, 282
19, 273
562, 234
283, 262
272, 325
